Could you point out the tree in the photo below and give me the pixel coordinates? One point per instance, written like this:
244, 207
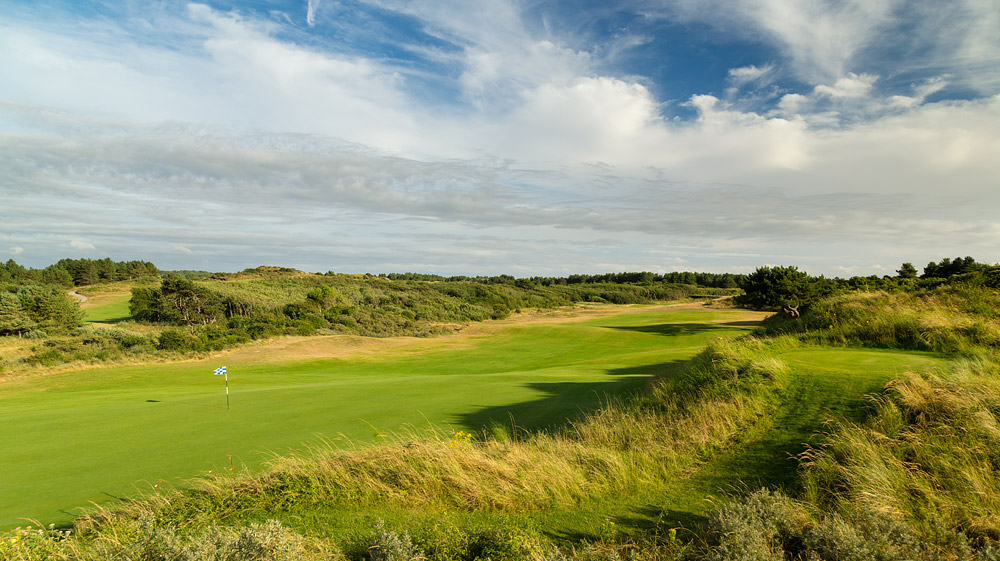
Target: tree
14, 320
144, 304
49, 307
946, 268
907, 271
779, 287
55, 275
178, 301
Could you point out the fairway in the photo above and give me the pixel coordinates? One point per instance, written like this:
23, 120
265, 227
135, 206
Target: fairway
106, 306
101, 434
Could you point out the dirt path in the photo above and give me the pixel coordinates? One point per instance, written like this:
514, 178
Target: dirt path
77, 295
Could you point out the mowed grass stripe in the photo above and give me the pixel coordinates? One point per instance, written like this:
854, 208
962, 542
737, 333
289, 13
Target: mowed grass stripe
97, 434
107, 308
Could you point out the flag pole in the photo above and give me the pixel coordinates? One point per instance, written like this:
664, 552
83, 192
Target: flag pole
222, 371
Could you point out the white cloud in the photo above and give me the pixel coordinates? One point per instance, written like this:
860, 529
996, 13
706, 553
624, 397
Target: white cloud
823, 41
750, 75
819, 40
15, 250
82, 245
311, 7
591, 120
850, 86
238, 142
793, 104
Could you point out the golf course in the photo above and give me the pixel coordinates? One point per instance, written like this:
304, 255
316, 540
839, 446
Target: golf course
98, 434
403, 418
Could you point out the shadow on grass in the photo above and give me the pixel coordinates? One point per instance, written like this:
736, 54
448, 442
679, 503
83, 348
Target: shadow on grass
561, 403
564, 402
108, 321
655, 520
693, 328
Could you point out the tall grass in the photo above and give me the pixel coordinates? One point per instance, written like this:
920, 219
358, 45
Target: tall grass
949, 319
930, 453
918, 479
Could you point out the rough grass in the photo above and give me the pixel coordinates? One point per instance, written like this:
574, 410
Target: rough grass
918, 479
949, 319
930, 454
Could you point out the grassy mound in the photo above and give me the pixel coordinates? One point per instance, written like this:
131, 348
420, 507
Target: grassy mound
948, 319
918, 479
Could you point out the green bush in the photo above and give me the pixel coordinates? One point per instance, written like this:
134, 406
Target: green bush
174, 340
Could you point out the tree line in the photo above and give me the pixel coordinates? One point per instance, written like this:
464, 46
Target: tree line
35, 300
706, 280
77, 272
792, 290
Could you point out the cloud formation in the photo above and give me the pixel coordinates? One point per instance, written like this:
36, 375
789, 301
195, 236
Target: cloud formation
484, 140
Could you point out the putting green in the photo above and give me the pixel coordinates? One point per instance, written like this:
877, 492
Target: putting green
101, 434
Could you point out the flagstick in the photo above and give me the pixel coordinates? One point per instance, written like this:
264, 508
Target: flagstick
227, 390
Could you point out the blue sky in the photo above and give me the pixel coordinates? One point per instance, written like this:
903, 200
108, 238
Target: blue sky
544, 137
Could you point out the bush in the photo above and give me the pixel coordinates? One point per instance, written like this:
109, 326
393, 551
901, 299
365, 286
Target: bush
765, 526
174, 340
145, 539
386, 545
776, 287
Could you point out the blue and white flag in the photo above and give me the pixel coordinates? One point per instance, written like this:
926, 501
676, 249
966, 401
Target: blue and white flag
220, 371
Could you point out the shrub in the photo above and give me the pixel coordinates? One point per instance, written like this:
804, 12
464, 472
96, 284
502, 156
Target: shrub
174, 340
29, 543
765, 526
770, 526
386, 545
145, 539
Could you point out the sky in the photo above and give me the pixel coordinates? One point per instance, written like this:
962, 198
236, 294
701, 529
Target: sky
520, 137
